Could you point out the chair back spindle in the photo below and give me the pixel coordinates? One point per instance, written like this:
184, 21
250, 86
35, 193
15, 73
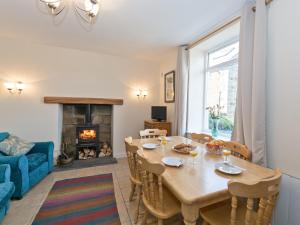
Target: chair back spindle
152, 182
266, 191
131, 152
152, 133
238, 150
201, 138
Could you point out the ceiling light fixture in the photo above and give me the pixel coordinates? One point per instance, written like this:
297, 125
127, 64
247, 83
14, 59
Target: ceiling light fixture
55, 7
87, 10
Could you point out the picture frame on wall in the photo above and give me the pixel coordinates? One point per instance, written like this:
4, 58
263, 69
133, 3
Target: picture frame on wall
170, 87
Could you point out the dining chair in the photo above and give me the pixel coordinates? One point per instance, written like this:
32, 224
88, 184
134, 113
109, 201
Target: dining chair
131, 151
157, 199
152, 133
242, 210
238, 150
201, 138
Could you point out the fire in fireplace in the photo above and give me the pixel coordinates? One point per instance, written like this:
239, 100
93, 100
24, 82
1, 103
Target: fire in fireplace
87, 134
87, 141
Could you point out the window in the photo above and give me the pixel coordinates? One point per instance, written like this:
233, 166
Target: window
213, 78
221, 86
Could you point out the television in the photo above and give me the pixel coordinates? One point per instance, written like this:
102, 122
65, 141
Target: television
159, 113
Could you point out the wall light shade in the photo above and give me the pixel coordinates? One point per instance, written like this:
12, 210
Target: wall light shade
9, 86
141, 94
144, 93
14, 87
20, 86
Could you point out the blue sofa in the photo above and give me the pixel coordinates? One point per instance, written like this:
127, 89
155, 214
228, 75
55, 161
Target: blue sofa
27, 170
7, 189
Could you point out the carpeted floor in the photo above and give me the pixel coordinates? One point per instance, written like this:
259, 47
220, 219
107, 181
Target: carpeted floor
84, 200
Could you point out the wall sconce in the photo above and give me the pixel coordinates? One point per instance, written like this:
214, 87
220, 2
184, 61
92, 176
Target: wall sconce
141, 94
14, 87
10, 87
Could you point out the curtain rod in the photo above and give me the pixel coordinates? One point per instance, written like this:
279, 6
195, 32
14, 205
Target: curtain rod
217, 30
267, 3
221, 28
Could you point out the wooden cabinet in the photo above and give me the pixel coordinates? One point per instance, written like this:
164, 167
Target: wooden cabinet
149, 124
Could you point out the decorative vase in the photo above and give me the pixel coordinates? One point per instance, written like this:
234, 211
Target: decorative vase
215, 127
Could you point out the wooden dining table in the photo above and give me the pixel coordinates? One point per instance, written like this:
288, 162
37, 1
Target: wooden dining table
198, 184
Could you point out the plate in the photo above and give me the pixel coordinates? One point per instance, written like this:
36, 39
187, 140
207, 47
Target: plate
172, 161
183, 152
228, 168
150, 146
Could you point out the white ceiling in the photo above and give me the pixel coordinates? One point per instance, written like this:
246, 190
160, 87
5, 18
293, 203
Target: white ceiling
136, 28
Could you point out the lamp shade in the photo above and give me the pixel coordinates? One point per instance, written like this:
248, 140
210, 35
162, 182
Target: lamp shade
9, 85
20, 86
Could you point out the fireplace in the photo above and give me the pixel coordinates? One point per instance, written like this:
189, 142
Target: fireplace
87, 141
87, 131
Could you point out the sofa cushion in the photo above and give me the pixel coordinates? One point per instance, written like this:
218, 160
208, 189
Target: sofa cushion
3, 136
35, 160
14, 145
6, 191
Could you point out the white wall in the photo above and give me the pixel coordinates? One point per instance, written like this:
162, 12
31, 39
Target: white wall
283, 86
283, 121
168, 63
53, 71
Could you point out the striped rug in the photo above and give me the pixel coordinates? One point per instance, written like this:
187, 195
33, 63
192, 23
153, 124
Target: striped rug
80, 201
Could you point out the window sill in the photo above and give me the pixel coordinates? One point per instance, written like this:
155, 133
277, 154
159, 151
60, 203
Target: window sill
220, 137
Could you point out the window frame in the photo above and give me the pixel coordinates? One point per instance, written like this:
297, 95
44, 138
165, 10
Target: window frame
208, 70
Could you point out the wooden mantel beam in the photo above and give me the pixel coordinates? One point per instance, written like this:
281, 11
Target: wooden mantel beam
78, 100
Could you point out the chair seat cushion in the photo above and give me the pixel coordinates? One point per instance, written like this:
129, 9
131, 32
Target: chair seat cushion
220, 214
35, 160
6, 191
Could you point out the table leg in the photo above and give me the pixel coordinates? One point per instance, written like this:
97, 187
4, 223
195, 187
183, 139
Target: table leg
190, 214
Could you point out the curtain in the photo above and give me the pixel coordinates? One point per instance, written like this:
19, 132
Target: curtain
250, 116
181, 91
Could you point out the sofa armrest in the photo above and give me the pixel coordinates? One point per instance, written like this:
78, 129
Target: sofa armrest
5, 173
46, 148
19, 173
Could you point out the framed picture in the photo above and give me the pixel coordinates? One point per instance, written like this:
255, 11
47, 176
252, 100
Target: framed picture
170, 87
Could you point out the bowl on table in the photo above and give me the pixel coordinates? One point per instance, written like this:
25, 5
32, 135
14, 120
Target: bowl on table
214, 147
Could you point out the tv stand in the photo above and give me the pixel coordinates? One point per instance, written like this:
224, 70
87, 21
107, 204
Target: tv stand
162, 125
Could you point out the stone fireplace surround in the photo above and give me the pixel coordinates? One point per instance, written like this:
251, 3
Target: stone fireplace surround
75, 116
102, 113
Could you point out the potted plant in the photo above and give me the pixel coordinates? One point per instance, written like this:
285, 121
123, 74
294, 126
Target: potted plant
215, 115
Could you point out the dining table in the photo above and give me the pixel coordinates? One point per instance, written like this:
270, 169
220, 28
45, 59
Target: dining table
197, 184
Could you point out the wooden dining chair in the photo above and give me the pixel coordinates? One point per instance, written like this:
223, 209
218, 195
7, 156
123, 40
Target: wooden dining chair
201, 138
241, 212
152, 133
131, 151
238, 150
157, 199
